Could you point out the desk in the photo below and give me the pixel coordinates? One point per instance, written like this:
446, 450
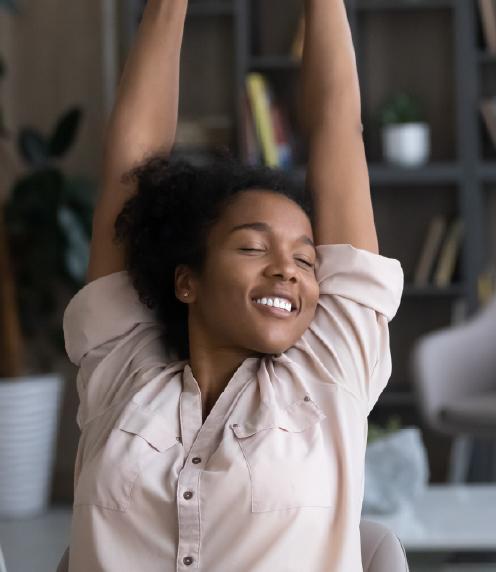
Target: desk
36, 544
446, 519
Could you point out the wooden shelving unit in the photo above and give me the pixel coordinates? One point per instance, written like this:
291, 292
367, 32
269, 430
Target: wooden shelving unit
432, 48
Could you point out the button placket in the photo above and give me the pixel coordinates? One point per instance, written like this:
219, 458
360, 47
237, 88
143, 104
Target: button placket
188, 516
199, 440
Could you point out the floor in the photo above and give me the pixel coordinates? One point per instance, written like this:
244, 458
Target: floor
37, 544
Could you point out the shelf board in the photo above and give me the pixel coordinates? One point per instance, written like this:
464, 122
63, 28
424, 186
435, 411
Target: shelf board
487, 57
433, 173
211, 8
453, 290
383, 174
487, 172
403, 5
395, 398
270, 63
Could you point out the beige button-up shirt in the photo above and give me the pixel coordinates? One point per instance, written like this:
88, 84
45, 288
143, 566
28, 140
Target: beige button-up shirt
273, 480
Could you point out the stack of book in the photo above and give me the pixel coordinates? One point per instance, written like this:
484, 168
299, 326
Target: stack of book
268, 137
440, 252
487, 9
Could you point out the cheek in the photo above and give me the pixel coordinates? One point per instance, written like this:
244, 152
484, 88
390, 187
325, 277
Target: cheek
313, 294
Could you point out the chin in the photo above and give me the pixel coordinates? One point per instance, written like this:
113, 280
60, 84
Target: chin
273, 348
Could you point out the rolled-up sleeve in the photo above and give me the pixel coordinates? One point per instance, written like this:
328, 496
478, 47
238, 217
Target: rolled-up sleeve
114, 339
347, 342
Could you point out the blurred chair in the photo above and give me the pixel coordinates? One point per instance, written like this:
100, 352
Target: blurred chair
382, 551
64, 562
454, 371
3, 567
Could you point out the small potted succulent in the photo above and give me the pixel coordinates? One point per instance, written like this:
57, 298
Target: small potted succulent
45, 227
405, 133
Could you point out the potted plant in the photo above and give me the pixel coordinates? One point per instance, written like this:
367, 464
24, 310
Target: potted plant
405, 133
45, 226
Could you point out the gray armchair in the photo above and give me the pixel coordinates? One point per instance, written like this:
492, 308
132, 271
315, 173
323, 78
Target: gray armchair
382, 551
454, 372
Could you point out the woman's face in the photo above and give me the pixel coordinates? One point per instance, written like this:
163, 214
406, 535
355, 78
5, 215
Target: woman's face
262, 247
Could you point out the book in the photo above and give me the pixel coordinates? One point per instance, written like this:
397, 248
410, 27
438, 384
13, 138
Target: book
298, 43
488, 109
487, 10
486, 284
250, 149
449, 254
283, 135
260, 103
430, 250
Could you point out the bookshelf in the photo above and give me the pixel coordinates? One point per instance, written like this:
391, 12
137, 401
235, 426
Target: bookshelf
447, 65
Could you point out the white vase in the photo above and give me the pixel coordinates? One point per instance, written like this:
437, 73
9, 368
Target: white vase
406, 144
29, 418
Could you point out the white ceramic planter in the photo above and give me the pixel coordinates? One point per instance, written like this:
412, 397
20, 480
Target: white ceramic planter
29, 416
406, 144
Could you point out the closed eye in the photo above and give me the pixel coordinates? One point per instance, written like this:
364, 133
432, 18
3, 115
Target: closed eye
309, 264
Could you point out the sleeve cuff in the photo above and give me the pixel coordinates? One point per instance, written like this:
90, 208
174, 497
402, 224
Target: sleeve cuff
104, 309
360, 275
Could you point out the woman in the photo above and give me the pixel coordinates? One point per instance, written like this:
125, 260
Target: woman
230, 343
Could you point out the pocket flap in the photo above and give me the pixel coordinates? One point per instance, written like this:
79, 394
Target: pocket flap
149, 426
299, 416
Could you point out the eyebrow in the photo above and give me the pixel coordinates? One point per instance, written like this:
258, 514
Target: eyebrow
264, 227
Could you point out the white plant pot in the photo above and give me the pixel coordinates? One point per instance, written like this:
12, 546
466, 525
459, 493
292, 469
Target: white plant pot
29, 416
406, 144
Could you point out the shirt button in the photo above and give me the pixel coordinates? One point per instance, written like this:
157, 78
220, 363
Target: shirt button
196, 460
307, 398
188, 495
235, 425
188, 560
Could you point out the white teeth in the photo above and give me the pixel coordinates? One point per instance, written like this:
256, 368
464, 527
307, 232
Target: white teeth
276, 303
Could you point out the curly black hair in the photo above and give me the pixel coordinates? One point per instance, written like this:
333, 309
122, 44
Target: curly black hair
166, 224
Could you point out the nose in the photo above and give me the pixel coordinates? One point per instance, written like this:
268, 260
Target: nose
282, 266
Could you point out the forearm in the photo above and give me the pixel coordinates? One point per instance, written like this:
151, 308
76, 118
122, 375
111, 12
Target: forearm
144, 117
329, 76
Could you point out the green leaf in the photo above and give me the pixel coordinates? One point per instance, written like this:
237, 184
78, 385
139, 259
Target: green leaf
401, 108
65, 132
79, 195
33, 147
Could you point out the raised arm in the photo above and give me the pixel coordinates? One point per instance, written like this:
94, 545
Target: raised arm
143, 121
330, 111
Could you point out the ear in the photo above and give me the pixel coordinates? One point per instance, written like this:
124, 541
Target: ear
184, 283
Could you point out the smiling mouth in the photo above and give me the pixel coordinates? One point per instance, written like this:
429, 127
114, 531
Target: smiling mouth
273, 311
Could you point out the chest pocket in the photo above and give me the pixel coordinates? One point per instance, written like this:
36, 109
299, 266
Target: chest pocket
286, 458
109, 476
